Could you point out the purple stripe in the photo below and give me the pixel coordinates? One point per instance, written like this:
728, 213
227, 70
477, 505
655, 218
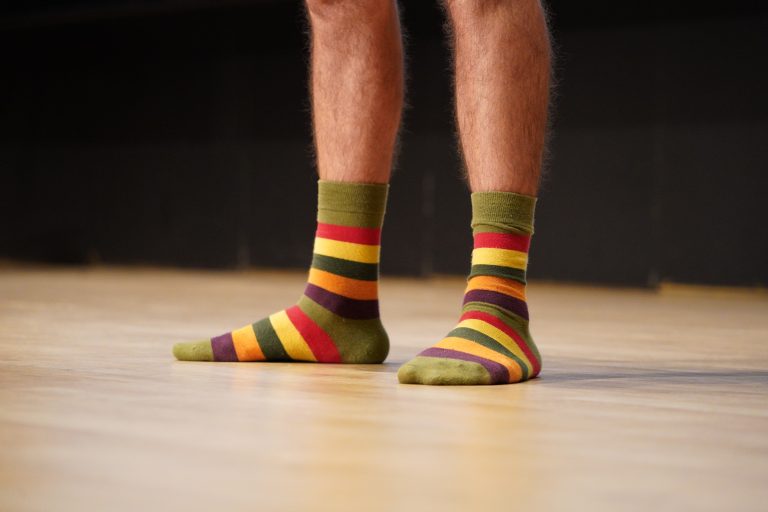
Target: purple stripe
499, 372
223, 348
341, 305
513, 304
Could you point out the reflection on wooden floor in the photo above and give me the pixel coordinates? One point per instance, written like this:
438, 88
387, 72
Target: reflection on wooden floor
648, 401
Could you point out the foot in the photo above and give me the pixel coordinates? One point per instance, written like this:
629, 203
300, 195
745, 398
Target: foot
491, 343
488, 346
337, 318
306, 332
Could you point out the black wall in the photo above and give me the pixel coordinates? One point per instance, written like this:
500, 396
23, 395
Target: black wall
178, 134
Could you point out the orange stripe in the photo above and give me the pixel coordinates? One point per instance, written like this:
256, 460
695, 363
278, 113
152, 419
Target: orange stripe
246, 345
497, 284
470, 347
352, 288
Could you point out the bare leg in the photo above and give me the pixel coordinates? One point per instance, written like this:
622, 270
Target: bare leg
502, 57
357, 87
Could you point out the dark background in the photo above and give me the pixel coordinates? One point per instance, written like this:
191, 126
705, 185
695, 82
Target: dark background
177, 133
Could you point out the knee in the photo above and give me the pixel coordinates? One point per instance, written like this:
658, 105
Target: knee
339, 10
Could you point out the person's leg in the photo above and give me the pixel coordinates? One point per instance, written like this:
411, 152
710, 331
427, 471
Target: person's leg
357, 87
357, 90
502, 67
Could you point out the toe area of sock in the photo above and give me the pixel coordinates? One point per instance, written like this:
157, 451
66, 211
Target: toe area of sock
193, 351
437, 371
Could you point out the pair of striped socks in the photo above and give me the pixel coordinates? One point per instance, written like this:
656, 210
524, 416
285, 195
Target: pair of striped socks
336, 320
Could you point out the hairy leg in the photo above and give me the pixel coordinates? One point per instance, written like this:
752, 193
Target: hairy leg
502, 59
357, 87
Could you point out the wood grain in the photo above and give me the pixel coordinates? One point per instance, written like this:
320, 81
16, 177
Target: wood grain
647, 401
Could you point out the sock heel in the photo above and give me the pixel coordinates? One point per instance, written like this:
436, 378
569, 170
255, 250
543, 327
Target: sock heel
370, 343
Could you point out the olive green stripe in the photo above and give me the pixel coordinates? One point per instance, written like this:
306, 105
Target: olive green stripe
488, 342
504, 210
346, 268
518, 323
498, 271
355, 219
352, 197
270, 344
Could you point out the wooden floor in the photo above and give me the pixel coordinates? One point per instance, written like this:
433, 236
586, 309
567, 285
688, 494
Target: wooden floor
648, 401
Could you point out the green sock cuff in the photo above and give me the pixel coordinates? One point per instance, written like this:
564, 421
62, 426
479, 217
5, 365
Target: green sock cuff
505, 211
357, 204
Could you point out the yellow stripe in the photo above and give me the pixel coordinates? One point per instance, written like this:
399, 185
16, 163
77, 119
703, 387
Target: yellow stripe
470, 347
498, 335
499, 257
246, 346
292, 341
347, 250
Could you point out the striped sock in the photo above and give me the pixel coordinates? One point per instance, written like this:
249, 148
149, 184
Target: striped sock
337, 318
491, 344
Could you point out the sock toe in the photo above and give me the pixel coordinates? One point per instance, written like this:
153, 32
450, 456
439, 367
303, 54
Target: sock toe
193, 351
442, 372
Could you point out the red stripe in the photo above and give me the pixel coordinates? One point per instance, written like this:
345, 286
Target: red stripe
496, 322
368, 236
503, 241
319, 342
